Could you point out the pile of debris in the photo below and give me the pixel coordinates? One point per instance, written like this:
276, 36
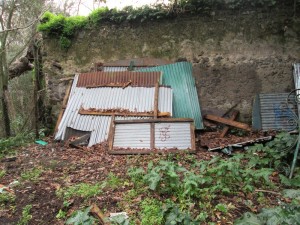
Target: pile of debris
137, 112
156, 108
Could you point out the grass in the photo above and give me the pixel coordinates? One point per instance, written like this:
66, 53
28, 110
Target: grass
113, 181
83, 190
31, 175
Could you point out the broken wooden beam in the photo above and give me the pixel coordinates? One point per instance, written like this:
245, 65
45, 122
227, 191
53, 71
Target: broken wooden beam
96, 212
226, 128
64, 105
228, 122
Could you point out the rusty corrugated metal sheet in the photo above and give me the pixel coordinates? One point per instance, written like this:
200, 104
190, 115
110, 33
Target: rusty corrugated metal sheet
134, 99
137, 79
139, 62
271, 112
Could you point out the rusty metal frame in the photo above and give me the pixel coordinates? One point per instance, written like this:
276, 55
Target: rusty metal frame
152, 149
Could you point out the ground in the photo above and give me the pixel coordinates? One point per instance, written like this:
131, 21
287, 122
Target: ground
44, 171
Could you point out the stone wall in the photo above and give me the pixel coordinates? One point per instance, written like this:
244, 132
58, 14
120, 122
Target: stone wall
235, 55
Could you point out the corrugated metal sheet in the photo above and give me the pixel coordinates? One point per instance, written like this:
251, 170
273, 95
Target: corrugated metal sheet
135, 99
173, 135
169, 135
297, 83
137, 79
270, 112
185, 101
115, 68
135, 136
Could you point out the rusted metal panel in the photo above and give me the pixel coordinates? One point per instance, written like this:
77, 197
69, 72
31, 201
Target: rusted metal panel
121, 78
136, 136
185, 102
271, 112
135, 99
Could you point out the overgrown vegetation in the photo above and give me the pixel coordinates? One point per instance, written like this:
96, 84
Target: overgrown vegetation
192, 194
66, 27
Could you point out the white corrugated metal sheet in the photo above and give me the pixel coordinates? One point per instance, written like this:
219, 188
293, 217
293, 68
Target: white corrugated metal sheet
297, 83
173, 135
169, 135
136, 136
135, 99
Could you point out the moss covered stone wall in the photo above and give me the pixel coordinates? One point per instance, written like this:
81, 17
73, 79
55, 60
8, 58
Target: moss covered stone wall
235, 55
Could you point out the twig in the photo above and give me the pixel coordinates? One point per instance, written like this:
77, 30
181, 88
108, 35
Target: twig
272, 192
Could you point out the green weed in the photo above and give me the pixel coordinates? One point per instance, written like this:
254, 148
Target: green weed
31, 175
2, 173
151, 213
82, 190
26, 216
113, 181
6, 198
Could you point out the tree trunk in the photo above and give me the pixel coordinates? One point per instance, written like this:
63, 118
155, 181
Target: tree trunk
4, 92
6, 119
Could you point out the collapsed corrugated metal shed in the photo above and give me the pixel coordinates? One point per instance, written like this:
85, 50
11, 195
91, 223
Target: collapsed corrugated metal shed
142, 136
105, 79
271, 112
185, 102
133, 99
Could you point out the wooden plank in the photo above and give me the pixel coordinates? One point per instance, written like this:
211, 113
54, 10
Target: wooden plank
152, 136
193, 138
64, 105
156, 95
96, 212
135, 114
228, 122
111, 133
159, 120
226, 128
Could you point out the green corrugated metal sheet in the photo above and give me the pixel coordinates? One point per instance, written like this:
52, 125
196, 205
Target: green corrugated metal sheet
185, 100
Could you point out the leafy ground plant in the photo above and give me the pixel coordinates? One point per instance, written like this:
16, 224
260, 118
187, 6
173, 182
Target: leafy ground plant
81, 217
26, 216
288, 214
32, 174
6, 198
151, 213
113, 181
